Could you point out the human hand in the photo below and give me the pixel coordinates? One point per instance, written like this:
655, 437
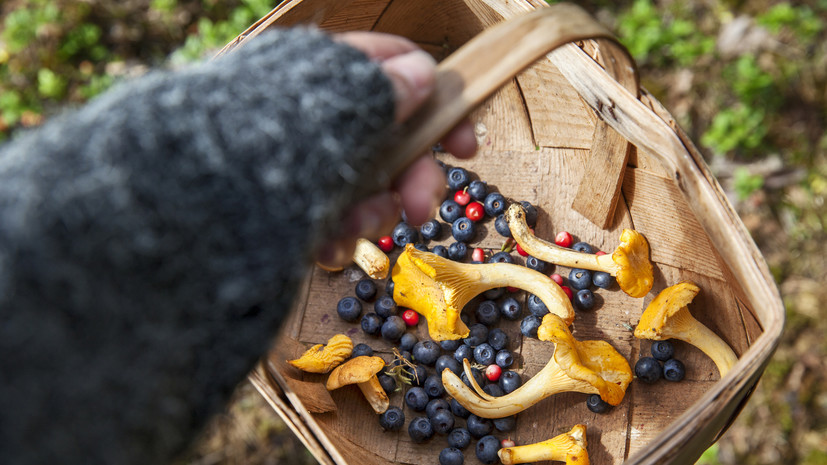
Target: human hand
419, 189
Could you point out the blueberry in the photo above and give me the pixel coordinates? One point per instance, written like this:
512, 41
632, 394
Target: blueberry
366, 289
463, 229
648, 370
487, 313
536, 306
510, 381
584, 299
392, 419
457, 178
385, 306
430, 229
498, 339
502, 226
405, 355
442, 421
349, 309
478, 190
388, 382
494, 204
457, 251
404, 234
451, 456
673, 370
662, 350
580, 279
433, 386
493, 390
596, 404
418, 374
426, 352
530, 325
477, 334
450, 211
372, 324
582, 247
407, 342
437, 404
393, 328
459, 438
440, 250
602, 279
504, 359
505, 424
494, 294
458, 410
416, 398
421, 246
487, 448
464, 351
449, 362
389, 287
420, 429
450, 344
530, 213
484, 354
535, 264
361, 349
478, 427
510, 309
465, 318
478, 377
501, 257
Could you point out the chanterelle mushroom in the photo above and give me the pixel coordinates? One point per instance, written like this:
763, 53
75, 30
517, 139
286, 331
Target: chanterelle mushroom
568, 447
323, 358
362, 371
629, 263
591, 367
668, 317
438, 288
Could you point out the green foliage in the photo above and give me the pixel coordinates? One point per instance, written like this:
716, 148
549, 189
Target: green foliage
709, 457
740, 127
83, 40
22, 25
745, 184
50, 84
801, 20
751, 84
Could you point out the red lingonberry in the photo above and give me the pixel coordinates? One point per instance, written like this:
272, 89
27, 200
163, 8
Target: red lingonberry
508, 443
410, 317
478, 255
493, 372
557, 279
385, 243
512, 289
563, 239
599, 253
462, 197
475, 211
568, 292
521, 251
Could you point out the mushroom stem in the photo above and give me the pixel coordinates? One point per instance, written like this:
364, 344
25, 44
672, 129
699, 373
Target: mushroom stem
371, 259
709, 343
568, 447
550, 380
635, 259
375, 395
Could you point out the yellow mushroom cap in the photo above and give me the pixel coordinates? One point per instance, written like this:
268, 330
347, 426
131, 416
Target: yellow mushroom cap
321, 358
658, 317
356, 370
569, 447
634, 274
594, 362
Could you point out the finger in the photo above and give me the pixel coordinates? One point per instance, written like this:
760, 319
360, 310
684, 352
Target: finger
461, 141
421, 188
377, 46
374, 216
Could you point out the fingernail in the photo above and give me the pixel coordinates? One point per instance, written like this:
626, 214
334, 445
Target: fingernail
413, 77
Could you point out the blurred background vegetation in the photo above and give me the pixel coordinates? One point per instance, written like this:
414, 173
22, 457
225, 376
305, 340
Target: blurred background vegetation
746, 79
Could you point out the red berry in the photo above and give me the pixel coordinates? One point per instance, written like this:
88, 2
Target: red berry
462, 197
478, 255
410, 317
475, 211
563, 239
508, 443
512, 289
599, 253
557, 279
521, 251
493, 372
385, 243
568, 292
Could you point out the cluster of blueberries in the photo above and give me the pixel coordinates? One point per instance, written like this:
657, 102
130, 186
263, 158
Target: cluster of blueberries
662, 364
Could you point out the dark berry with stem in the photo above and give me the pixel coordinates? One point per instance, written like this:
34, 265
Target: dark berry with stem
511, 309
349, 309
393, 328
494, 204
457, 251
478, 190
535, 264
584, 300
366, 289
510, 381
404, 234
504, 358
602, 279
648, 370
385, 306
463, 230
484, 354
442, 421
430, 229
451, 211
416, 399
426, 352
673, 370
420, 429
487, 313
392, 419
580, 278
372, 324
477, 426
459, 438
458, 178
464, 351
498, 339
662, 350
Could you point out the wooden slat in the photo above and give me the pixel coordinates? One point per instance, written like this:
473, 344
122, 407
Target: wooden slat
361, 15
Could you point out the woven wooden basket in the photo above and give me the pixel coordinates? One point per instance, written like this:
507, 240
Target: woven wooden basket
575, 135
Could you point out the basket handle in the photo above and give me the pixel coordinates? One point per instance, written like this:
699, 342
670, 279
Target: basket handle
485, 63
